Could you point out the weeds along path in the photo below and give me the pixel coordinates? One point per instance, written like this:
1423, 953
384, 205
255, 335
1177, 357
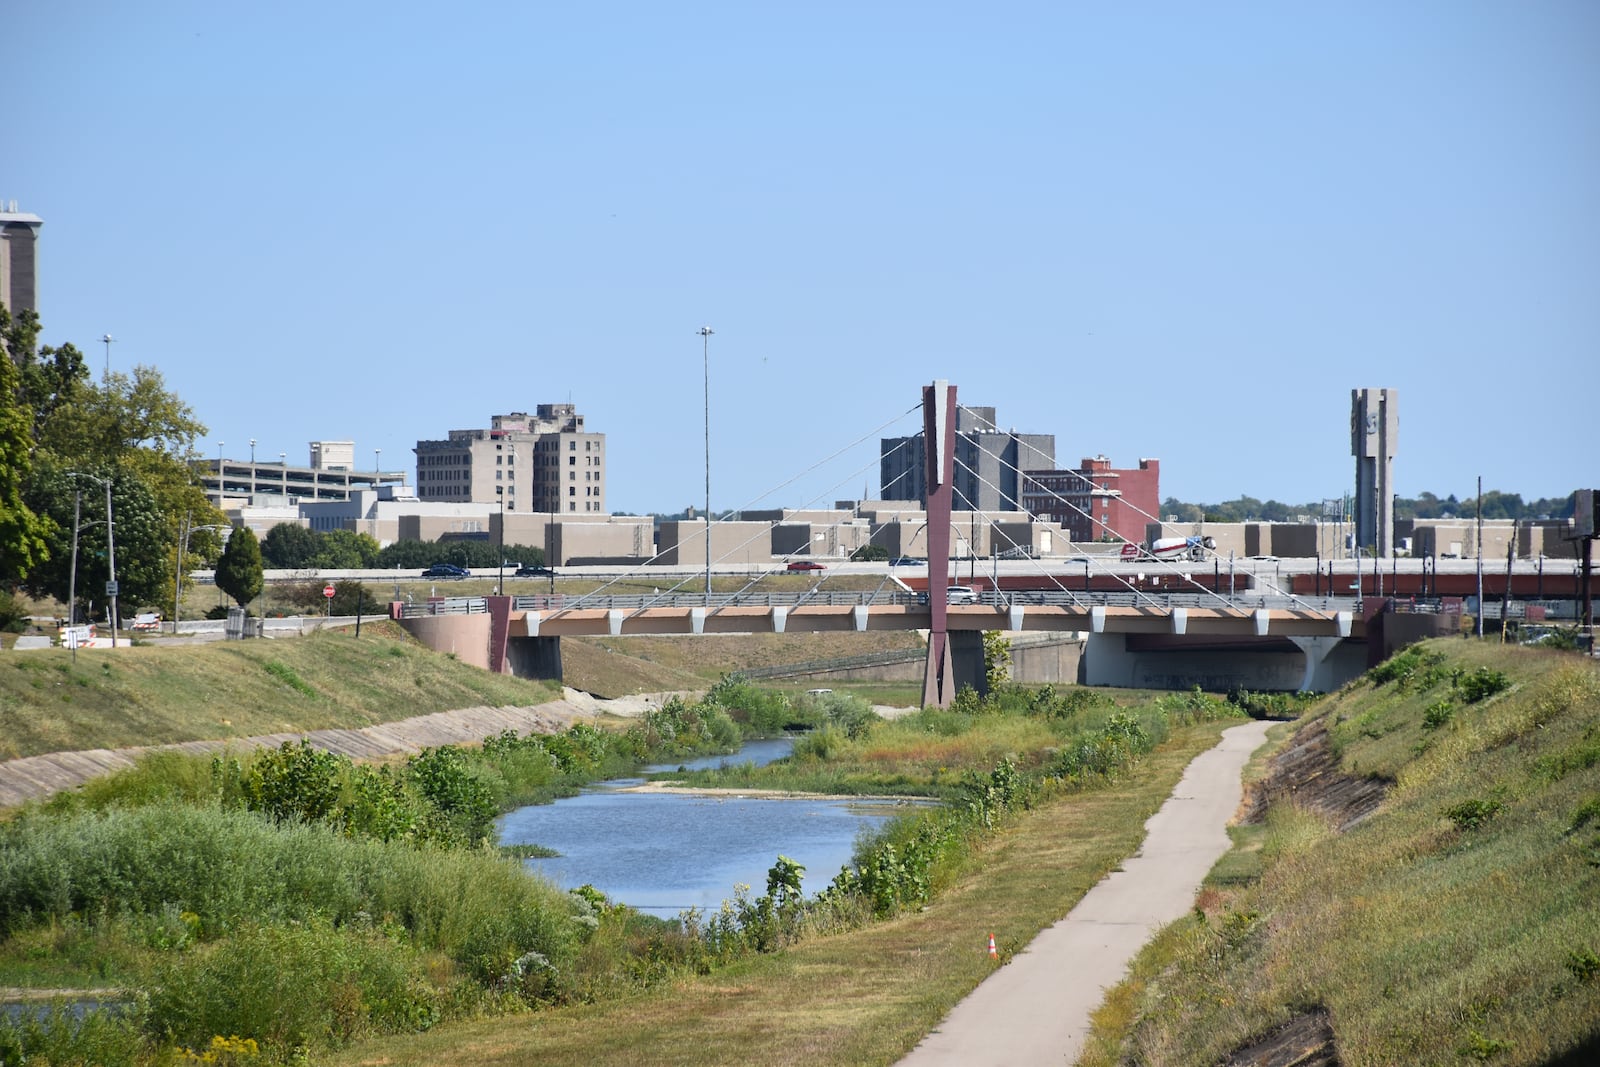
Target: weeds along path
39, 777
1036, 1008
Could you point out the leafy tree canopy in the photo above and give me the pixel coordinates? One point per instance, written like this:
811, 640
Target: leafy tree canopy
239, 569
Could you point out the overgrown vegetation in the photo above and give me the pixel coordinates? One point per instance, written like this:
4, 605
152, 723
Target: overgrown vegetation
301, 901
1458, 923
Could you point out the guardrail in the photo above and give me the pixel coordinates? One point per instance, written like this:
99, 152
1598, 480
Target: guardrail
999, 600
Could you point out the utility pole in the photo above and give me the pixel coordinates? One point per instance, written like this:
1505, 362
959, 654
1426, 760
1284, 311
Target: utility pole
705, 351
1479, 626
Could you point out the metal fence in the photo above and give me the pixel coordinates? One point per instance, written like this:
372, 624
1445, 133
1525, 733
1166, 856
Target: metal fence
997, 599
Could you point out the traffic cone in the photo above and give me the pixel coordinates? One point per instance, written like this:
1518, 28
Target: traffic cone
993, 955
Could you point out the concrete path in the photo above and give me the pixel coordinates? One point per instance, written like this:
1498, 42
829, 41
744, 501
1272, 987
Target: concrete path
38, 777
1035, 1010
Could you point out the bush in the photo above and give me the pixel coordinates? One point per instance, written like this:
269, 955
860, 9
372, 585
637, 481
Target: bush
292, 987
1481, 684
13, 619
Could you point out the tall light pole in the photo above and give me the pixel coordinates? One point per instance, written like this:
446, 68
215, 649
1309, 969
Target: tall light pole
108, 339
72, 572
219, 474
705, 352
376, 465
283, 465
252, 467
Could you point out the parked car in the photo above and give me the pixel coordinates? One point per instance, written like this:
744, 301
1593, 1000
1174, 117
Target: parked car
806, 565
535, 572
446, 570
906, 561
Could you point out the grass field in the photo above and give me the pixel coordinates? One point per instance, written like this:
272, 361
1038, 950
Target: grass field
1458, 923
159, 694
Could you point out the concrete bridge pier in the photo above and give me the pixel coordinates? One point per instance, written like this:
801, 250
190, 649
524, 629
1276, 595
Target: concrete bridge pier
534, 657
1319, 674
965, 652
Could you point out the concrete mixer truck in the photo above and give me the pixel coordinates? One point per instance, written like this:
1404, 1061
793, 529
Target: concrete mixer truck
1192, 548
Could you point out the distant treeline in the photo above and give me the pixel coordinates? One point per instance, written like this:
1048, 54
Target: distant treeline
1496, 505
291, 547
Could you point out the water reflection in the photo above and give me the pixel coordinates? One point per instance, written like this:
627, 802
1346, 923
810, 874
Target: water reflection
666, 853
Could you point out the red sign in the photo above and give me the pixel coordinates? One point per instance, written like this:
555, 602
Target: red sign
327, 591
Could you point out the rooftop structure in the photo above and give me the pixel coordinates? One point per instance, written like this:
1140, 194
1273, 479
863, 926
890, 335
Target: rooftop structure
19, 272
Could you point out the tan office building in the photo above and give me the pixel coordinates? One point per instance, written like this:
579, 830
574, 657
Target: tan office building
544, 462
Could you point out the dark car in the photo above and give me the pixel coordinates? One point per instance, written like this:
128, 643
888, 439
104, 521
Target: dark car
535, 572
906, 561
806, 565
446, 570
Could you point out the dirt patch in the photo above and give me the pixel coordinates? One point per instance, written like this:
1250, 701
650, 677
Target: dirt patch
1304, 1041
1307, 772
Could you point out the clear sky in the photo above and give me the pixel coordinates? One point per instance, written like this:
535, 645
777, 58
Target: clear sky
1183, 231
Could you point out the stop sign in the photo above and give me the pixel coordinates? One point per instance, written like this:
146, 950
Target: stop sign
327, 591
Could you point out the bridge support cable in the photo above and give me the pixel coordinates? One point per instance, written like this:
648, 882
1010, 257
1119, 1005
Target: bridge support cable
642, 569
1167, 564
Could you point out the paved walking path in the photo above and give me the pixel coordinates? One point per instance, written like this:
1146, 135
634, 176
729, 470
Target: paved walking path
38, 777
1035, 1010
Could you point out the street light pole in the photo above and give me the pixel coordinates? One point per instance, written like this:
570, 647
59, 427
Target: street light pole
111, 552
72, 572
108, 339
219, 474
705, 352
283, 464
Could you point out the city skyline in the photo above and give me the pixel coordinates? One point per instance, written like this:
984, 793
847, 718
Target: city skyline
1166, 234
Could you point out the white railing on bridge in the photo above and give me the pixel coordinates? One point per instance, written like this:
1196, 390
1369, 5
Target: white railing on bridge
998, 600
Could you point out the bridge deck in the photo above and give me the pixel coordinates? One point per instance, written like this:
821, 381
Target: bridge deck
809, 618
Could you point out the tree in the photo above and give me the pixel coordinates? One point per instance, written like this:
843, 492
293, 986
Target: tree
870, 553
239, 569
143, 541
346, 550
22, 531
290, 546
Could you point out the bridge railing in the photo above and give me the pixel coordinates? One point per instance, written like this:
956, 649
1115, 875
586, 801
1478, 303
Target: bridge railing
997, 599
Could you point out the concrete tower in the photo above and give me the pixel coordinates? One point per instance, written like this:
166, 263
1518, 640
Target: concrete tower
19, 236
1374, 436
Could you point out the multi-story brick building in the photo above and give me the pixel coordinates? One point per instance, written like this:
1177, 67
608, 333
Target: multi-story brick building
1095, 502
546, 462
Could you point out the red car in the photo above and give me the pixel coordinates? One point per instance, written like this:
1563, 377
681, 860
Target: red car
806, 565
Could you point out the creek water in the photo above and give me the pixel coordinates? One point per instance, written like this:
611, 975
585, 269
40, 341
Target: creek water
665, 853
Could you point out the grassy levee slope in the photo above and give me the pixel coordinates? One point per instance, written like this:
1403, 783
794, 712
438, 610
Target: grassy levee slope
1458, 922
862, 997
152, 695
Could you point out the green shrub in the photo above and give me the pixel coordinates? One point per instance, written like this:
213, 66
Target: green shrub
1482, 683
1438, 713
13, 617
309, 985
60, 1036
1473, 814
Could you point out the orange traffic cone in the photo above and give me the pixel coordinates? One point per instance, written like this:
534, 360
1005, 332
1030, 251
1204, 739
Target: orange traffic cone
993, 955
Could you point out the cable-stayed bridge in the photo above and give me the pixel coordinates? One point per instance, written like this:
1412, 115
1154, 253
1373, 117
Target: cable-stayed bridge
1132, 636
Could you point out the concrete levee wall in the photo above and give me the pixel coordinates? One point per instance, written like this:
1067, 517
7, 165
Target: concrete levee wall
465, 636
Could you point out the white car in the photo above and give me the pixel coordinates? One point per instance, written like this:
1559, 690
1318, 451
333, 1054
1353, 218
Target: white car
960, 594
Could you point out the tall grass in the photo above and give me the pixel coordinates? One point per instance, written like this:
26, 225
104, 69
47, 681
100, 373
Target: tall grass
1454, 925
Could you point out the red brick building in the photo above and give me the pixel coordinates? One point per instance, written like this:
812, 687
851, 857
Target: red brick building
1095, 502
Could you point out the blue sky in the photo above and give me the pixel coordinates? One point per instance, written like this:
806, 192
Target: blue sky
1180, 231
